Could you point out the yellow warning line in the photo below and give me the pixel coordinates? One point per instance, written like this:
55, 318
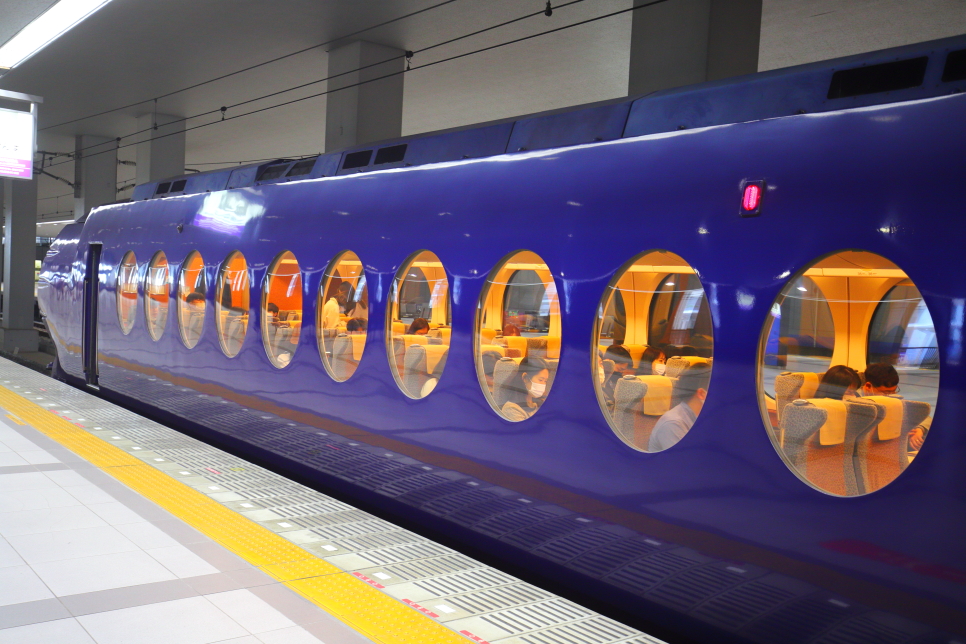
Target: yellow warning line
361, 606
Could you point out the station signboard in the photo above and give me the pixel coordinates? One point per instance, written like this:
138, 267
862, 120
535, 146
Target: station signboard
17, 136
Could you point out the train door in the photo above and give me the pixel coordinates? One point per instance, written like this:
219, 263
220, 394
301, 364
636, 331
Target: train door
90, 313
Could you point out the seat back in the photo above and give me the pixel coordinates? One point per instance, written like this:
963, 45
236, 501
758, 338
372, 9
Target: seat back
487, 335
546, 347
608, 368
414, 373
516, 343
882, 452
791, 386
344, 361
503, 373
629, 394
818, 437
398, 328
492, 347
678, 364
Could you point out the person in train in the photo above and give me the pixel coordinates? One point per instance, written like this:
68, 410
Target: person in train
623, 365
690, 390
333, 306
195, 301
652, 363
526, 389
489, 360
360, 308
882, 379
356, 326
433, 380
419, 327
838, 383
511, 330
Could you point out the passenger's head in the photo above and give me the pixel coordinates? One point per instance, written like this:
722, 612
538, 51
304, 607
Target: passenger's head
652, 362
511, 329
839, 382
531, 380
195, 299
880, 380
623, 363
419, 327
692, 385
355, 325
272, 308
343, 294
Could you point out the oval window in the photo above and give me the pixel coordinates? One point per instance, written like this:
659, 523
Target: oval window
192, 299
652, 351
419, 324
282, 309
849, 373
518, 335
127, 291
157, 295
342, 315
232, 303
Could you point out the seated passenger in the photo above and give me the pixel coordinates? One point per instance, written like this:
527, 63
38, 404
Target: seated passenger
356, 326
623, 365
489, 360
195, 301
882, 379
511, 330
334, 304
652, 362
691, 390
419, 327
838, 383
526, 389
360, 309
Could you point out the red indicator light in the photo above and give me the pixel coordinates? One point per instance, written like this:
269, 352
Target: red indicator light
752, 197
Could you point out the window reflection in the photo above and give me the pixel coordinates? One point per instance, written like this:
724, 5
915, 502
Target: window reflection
232, 303
653, 350
419, 324
192, 299
343, 316
518, 335
156, 295
127, 291
282, 309
850, 378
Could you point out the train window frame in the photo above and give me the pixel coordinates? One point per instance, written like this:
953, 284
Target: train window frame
868, 436
125, 318
670, 266
553, 304
276, 353
395, 292
219, 293
325, 287
156, 330
183, 303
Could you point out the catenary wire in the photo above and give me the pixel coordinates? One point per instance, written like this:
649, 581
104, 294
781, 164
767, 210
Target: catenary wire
390, 75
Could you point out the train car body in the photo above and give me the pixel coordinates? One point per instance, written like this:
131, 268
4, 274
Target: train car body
716, 537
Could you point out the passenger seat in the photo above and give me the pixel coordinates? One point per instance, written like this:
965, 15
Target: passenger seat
639, 401
882, 452
791, 386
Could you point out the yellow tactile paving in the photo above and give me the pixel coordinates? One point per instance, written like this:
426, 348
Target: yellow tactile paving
362, 606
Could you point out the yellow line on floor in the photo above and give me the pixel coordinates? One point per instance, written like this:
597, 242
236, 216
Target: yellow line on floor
361, 606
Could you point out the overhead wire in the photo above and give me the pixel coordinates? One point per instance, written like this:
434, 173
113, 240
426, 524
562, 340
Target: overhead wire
391, 74
251, 67
407, 55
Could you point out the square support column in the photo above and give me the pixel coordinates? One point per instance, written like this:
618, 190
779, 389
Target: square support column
368, 112
692, 41
95, 173
160, 155
19, 200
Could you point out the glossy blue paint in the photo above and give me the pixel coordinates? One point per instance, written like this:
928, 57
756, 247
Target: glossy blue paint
834, 180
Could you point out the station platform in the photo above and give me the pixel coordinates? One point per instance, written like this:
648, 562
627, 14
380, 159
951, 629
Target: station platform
117, 529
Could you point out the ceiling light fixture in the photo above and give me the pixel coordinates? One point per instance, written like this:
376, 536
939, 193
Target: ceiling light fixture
58, 221
46, 28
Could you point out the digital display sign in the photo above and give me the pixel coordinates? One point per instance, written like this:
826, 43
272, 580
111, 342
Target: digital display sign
17, 132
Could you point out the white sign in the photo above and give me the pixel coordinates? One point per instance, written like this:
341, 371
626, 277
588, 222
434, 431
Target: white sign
17, 132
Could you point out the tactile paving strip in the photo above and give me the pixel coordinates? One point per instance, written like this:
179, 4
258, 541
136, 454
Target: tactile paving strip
388, 583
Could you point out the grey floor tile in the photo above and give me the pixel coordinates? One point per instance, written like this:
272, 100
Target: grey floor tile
216, 583
90, 574
89, 494
35, 499
291, 635
11, 459
146, 535
249, 610
181, 532
62, 631
332, 631
289, 603
218, 556
249, 577
70, 544
26, 481
116, 513
118, 598
67, 478
19, 584
181, 561
42, 610
9, 556
18, 469
38, 456
48, 520
185, 621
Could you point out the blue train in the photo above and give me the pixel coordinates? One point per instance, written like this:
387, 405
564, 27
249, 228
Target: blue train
597, 344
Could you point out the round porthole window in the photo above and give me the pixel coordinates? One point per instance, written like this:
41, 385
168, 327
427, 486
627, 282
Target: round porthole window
157, 295
192, 299
282, 309
232, 303
342, 319
849, 373
127, 291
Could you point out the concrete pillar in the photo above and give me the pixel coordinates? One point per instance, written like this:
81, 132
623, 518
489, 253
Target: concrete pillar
692, 41
368, 112
19, 200
95, 173
162, 157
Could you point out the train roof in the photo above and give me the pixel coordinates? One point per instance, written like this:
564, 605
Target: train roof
911, 72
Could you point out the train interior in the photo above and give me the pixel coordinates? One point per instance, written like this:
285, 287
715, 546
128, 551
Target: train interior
343, 316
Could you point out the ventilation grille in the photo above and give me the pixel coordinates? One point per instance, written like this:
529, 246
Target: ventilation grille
873, 79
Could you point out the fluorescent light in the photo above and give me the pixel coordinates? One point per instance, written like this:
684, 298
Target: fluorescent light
45, 29
57, 221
